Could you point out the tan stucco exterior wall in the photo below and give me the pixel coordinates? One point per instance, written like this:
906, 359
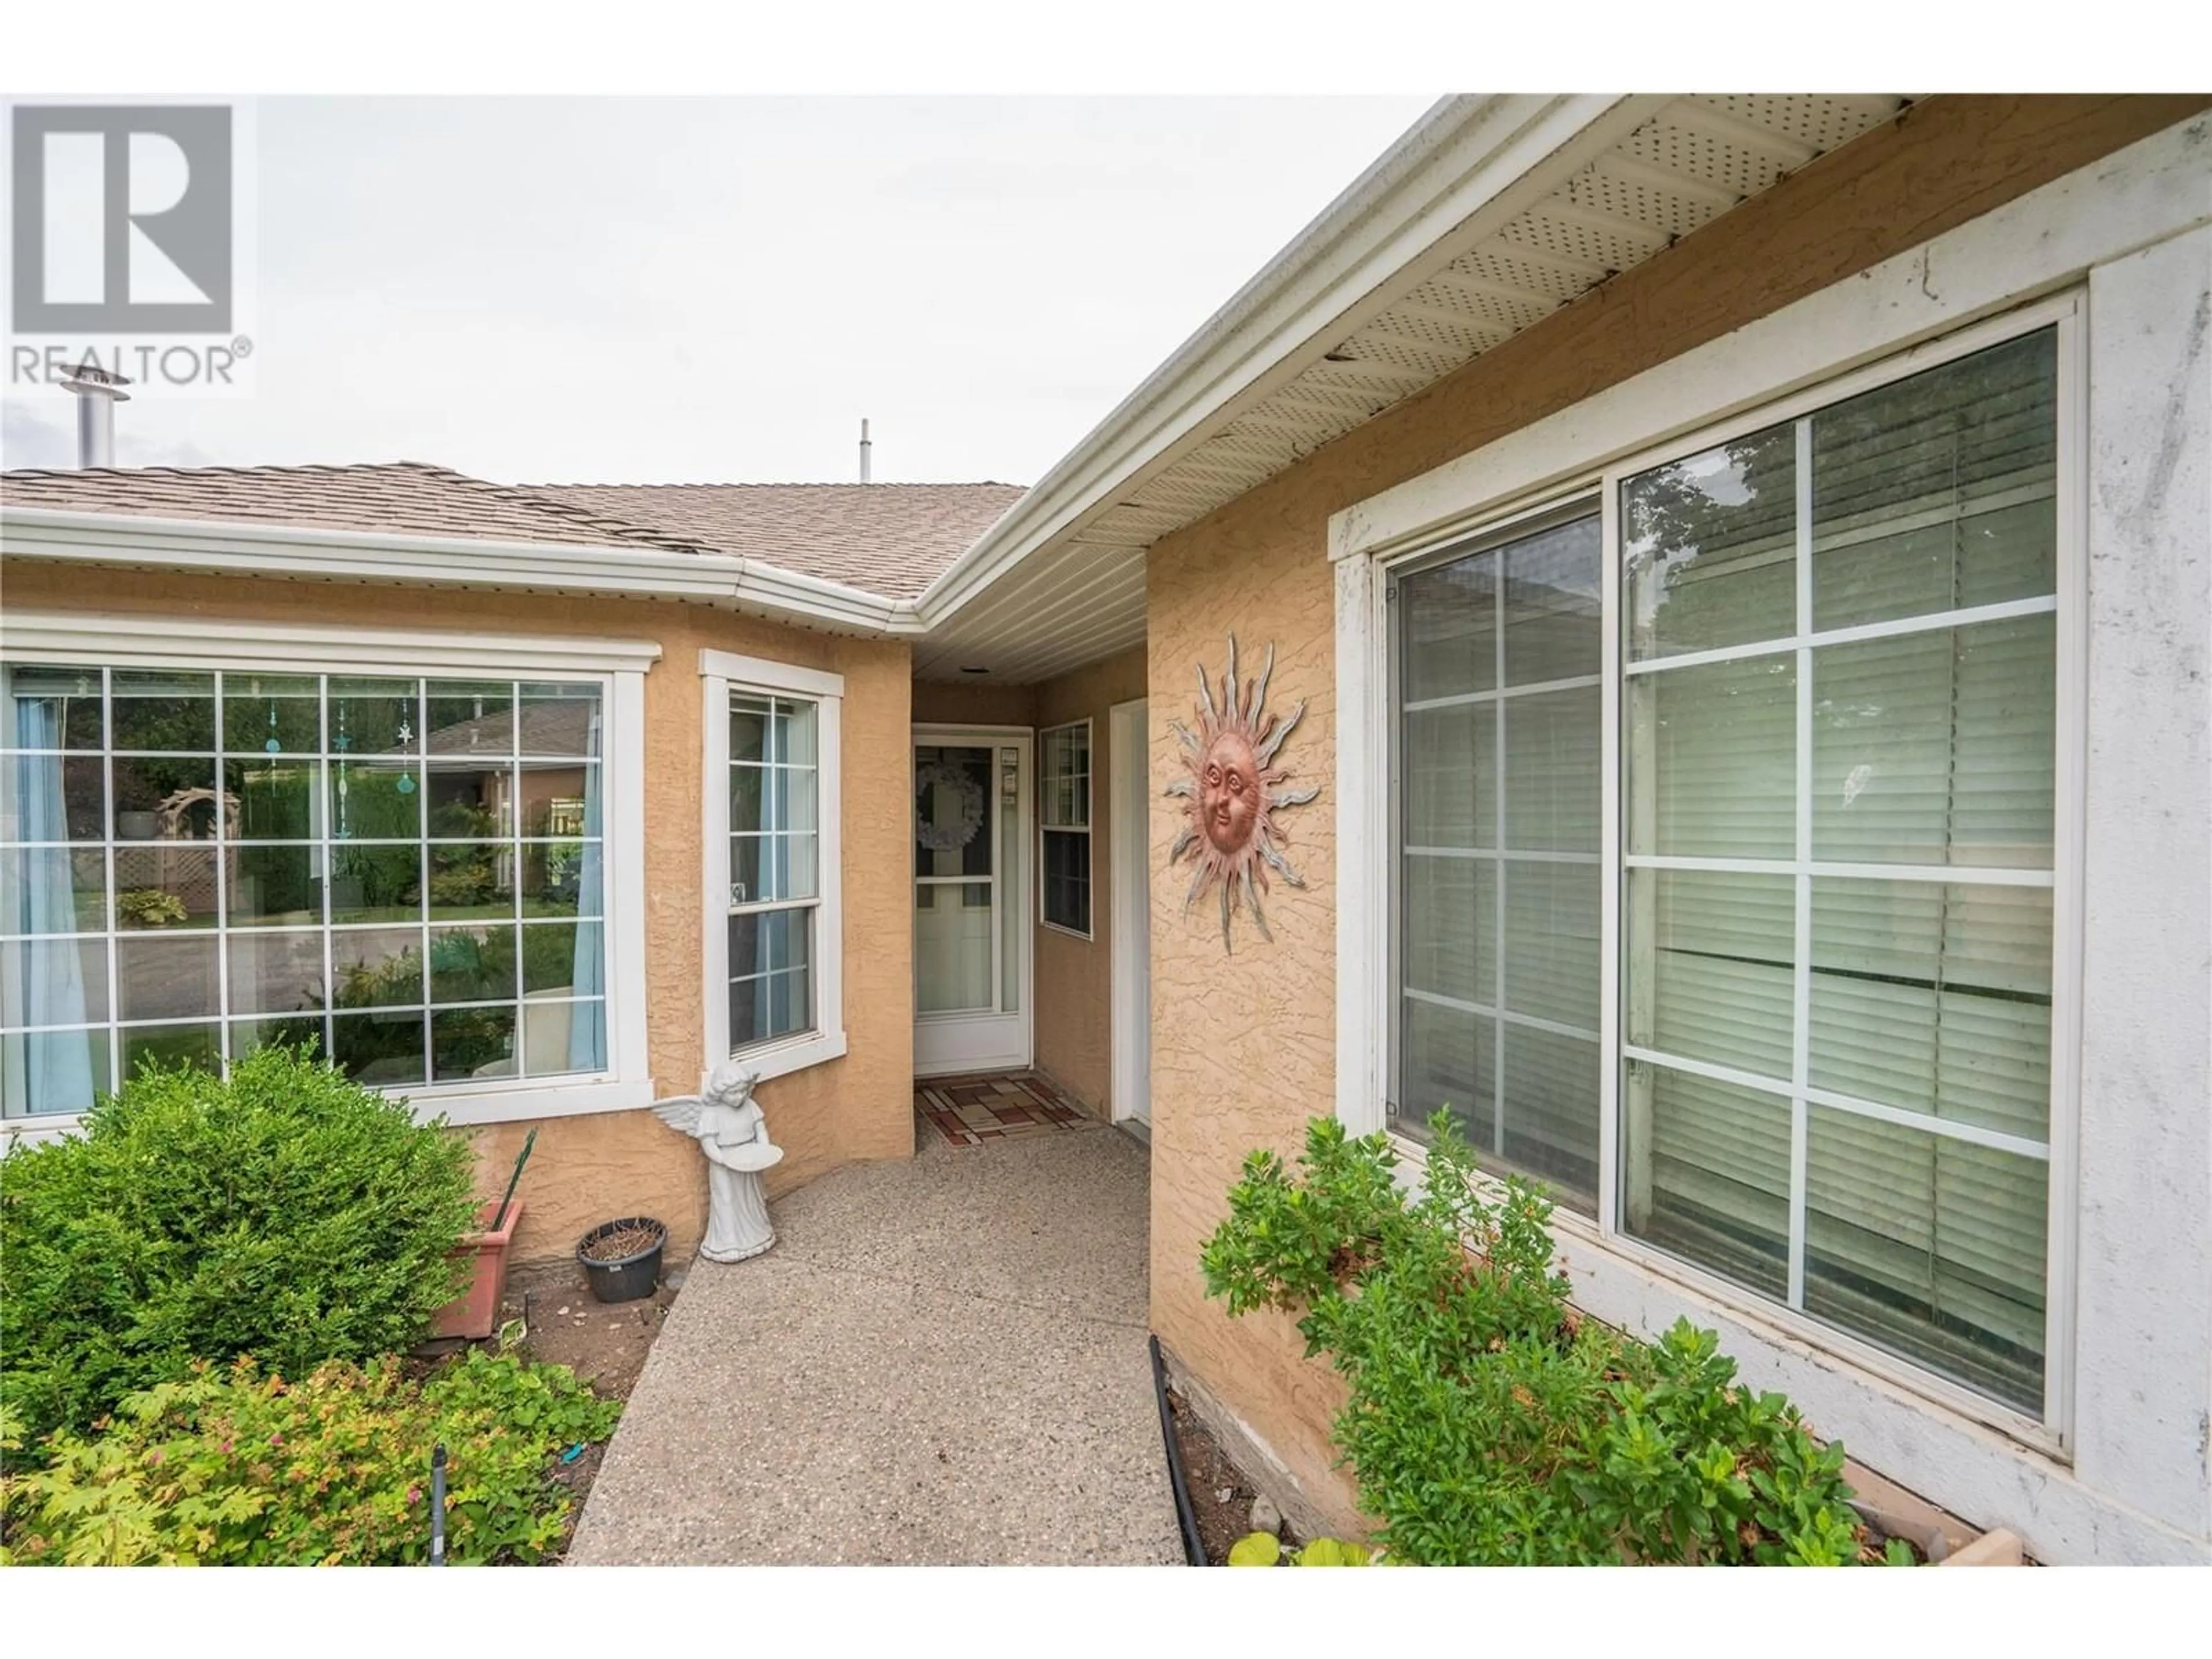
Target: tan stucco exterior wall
593, 1168
1242, 1044
973, 703
1075, 976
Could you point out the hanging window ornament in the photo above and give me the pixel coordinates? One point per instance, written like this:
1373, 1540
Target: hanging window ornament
406, 785
342, 743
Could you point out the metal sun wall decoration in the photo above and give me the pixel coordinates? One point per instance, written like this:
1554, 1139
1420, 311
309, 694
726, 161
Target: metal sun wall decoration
1232, 794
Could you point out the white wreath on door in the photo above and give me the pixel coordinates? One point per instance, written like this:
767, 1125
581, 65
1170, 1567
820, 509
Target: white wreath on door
968, 796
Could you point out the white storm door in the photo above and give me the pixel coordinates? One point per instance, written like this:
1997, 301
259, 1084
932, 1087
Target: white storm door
971, 899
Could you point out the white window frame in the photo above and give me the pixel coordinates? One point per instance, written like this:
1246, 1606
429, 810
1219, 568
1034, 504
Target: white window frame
721, 673
2116, 1476
1369, 648
618, 666
1090, 780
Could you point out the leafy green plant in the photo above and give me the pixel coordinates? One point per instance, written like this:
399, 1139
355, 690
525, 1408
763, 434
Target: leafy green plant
230, 1467
286, 1211
1333, 1553
150, 907
1264, 1549
1488, 1421
1256, 1549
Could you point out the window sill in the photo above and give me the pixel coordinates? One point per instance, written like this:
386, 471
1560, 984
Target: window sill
1070, 933
789, 1055
1617, 1272
548, 1099
461, 1110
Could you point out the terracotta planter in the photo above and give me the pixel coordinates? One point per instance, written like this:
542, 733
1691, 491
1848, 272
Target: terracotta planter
475, 1313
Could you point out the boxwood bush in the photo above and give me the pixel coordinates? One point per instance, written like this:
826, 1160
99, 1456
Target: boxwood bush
284, 1211
1488, 1422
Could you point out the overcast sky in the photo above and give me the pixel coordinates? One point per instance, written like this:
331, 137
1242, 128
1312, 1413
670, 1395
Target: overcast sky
680, 290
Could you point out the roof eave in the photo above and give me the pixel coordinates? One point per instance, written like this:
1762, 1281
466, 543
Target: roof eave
1468, 159
297, 552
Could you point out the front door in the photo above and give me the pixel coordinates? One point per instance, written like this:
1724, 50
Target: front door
971, 899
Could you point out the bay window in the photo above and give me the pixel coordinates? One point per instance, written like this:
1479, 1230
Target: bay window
407, 871
1818, 1061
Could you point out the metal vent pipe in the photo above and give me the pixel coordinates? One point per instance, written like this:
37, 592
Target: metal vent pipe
97, 391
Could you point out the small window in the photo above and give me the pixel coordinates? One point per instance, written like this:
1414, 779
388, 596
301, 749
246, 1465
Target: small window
775, 891
1065, 821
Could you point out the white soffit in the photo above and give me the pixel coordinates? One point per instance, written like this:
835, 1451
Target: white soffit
1061, 581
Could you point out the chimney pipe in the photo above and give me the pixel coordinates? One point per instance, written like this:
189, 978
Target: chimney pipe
97, 391
865, 447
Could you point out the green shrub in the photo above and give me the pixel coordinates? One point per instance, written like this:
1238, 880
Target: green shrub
230, 1467
1487, 1422
286, 1213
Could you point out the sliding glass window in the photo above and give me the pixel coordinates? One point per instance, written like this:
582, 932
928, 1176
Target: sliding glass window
1838, 736
1498, 746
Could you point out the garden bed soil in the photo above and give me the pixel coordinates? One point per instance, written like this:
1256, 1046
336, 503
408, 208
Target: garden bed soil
605, 1343
1209, 1473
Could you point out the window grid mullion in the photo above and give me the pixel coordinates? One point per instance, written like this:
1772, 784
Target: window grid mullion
1497, 838
1802, 881
111, 921
326, 821
222, 845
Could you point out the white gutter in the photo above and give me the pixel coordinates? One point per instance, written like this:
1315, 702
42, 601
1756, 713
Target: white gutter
448, 561
1469, 159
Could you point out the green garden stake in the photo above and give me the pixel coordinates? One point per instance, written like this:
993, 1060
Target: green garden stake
508, 1198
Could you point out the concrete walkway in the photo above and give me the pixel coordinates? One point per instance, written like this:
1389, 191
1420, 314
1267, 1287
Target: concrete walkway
941, 1361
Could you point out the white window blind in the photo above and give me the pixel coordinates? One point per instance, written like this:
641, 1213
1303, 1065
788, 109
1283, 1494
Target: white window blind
1839, 738
1499, 738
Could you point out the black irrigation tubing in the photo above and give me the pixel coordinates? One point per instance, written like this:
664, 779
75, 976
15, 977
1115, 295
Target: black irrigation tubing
1193, 1547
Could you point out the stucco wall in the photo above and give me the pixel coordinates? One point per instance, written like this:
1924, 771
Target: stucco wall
1243, 1050
1075, 976
592, 1167
973, 703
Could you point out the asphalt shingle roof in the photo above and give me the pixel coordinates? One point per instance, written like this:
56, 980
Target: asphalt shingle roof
887, 539
407, 498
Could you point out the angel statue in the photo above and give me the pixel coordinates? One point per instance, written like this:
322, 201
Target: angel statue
732, 1132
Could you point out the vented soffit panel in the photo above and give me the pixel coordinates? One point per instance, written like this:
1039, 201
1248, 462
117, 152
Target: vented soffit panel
1674, 167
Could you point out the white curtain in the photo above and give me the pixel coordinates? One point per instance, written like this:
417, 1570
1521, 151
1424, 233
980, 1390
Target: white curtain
587, 1026
57, 1069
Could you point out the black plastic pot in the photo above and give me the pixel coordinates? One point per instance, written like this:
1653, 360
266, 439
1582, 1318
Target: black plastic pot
625, 1278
